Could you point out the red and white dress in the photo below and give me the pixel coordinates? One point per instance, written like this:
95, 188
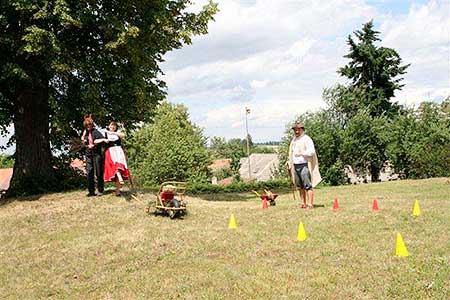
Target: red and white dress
115, 160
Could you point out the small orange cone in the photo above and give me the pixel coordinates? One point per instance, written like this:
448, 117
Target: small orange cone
335, 204
375, 205
265, 205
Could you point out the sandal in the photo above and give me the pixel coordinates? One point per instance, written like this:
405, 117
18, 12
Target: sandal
302, 205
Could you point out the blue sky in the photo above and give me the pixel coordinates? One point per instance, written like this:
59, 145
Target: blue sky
277, 56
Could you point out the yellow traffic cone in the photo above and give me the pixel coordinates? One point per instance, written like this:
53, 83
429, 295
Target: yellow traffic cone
232, 224
301, 232
416, 211
401, 250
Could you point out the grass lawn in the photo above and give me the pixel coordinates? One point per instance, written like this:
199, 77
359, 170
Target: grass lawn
66, 246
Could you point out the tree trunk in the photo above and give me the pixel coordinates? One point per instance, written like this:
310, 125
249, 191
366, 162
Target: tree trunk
33, 172
375, 172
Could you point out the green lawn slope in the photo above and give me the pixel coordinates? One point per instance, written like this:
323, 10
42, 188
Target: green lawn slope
67, 246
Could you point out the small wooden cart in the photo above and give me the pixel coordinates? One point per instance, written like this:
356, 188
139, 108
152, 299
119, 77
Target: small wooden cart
170, 199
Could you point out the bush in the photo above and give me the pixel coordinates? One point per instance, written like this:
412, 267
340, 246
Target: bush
172, 148
237, 186
335, 175
6, 161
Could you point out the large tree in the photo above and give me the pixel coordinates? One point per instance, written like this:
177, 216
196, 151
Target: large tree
374, 73
61, 59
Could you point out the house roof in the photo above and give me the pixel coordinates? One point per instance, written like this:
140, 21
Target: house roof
5, 178
220, 164
262, 166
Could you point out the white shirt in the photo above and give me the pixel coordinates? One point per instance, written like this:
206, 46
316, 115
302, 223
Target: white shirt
308, 151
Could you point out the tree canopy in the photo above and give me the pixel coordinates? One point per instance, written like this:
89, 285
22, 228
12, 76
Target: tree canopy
62, 59
171, 148
373, 72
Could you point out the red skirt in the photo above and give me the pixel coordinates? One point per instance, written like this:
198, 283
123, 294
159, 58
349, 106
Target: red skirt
114, 162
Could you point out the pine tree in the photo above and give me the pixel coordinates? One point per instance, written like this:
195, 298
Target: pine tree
373, 71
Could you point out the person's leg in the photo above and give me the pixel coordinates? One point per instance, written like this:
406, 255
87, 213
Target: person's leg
306, 181
90, 175
311, 197
118, 185
119, 177
302, 198
99, 173
298, 185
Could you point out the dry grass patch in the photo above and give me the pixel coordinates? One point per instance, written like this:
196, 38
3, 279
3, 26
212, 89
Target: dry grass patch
66, 246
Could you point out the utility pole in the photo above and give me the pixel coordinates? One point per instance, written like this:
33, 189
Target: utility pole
247, 112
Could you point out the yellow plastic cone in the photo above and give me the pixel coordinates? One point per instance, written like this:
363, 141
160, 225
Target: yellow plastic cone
416, 211
232, 224
301, 232
401, 250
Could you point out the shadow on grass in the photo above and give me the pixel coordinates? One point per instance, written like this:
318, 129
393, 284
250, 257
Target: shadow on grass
244, 196
7, 201
226, 196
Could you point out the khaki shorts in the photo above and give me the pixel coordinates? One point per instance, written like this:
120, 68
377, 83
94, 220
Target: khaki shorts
302, 177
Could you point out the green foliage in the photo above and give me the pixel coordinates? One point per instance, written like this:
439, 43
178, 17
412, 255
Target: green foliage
361, 128
364, 142
98, 57
374, 73
334, 174
6, 161
172, 148
237, 186
222, 173
233, 149
325, 132
71, 58
263, 149
420, 141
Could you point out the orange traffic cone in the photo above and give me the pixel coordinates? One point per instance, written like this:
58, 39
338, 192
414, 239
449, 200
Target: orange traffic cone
375, 205
335, 204
265, 205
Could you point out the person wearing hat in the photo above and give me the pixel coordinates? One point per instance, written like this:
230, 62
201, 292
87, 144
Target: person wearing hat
303, 165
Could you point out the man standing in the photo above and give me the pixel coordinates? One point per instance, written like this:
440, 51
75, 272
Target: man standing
93, 138
303, 165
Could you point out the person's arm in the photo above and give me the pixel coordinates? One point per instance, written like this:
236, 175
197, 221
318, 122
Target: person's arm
99, 138
83, 136
103, 140
310, 149
118, 133
289, 161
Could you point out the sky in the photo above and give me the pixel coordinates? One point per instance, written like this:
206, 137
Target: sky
277, 56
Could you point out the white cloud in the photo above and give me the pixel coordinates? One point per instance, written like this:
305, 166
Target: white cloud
422, 39
278, 56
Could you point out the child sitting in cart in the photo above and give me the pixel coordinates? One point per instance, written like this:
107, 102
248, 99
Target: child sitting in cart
168, 196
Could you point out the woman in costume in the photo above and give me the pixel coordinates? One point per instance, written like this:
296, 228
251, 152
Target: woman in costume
116, 168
